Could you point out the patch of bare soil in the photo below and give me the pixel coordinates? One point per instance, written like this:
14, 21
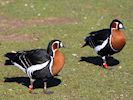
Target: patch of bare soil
6, 23
1, 64
16, 37
53, 21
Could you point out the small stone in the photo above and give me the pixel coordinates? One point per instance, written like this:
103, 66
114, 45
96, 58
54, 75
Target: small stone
121, 95
120, 67
65, 84
44, 8
92, 28
73, 69
125, 82
32, 6
75, 55
10, 89
25, 5
102, 17
38, 14
85, 18
7, 2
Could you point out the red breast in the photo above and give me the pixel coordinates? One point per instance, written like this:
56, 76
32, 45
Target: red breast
118, 40
58, 62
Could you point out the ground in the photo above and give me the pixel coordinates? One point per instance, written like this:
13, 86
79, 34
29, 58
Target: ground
29, 24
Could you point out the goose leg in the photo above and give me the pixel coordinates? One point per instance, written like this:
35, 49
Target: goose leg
31, 85
45, 89
105, 65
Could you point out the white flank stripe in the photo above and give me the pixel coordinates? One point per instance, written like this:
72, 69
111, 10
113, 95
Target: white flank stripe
33, 68
22, 61
99, 47
20, 67
51, 64
111, 44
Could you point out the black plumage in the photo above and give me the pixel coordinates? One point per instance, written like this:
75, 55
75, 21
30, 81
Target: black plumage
29, 58
97, 37
106, 41
36, 63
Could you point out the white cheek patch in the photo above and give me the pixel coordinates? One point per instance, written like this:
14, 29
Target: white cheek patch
120, 26
61, 45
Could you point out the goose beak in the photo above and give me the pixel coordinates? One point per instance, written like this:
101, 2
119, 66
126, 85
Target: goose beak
63, 46
124, 28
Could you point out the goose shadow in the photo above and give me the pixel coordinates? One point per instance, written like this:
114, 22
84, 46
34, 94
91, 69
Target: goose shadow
37, 84
98, 61
26, 81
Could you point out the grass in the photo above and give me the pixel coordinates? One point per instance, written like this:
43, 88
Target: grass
80, 80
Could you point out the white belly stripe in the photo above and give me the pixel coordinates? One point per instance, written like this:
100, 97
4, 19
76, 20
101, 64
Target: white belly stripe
33, 68
20, 67
99, 47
